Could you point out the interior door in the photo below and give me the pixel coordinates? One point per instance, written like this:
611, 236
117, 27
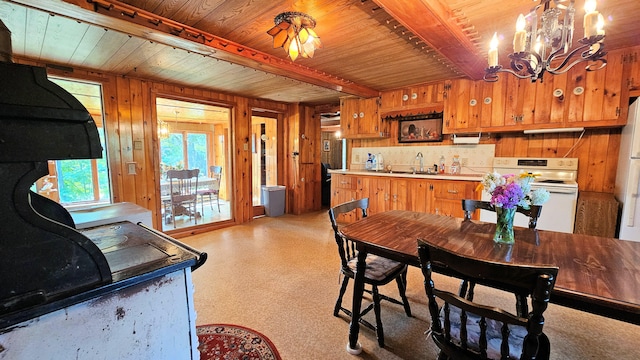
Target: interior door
264, 157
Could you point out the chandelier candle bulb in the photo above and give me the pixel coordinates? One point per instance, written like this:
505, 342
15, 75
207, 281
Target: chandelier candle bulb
493, 51
590, 19
519, 38
545, 46
600, 25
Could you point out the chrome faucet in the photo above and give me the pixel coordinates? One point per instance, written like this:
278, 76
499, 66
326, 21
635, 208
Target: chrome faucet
420, 158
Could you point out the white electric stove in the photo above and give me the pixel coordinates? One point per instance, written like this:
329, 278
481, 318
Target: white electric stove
558, 176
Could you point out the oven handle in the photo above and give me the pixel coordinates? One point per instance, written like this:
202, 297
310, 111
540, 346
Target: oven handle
562, 190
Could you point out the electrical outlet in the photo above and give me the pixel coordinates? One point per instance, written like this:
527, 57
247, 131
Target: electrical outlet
357, 158
464, 161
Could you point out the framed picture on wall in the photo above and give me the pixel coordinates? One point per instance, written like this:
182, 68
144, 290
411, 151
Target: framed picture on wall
326, 145
420, 128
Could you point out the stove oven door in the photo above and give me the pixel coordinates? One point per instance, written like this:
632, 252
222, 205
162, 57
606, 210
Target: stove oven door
558, 214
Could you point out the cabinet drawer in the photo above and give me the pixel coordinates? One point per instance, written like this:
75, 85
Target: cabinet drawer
344, 182
451, 190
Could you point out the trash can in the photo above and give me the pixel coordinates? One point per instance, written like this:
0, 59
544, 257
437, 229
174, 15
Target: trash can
273, 200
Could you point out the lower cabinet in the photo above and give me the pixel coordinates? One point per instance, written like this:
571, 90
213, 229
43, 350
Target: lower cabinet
433, 196
344, 188
448, 196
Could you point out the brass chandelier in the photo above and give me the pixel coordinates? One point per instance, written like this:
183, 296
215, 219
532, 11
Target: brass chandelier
543, 44
293, 31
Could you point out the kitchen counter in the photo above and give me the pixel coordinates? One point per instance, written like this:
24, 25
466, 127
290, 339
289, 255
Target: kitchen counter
403, 174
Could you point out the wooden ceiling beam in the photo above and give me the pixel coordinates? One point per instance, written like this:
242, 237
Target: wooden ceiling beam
435, 23
121, 17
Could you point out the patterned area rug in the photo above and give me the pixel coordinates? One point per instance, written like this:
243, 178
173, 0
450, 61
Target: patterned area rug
222, 341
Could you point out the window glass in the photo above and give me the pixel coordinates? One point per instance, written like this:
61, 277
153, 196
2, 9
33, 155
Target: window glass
171, 153
80, 181
197, 152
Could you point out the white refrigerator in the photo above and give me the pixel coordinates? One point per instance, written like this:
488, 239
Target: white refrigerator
627, 189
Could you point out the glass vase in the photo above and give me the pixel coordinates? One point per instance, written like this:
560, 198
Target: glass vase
504, 226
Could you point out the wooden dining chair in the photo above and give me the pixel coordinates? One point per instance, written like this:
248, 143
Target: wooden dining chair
464, 329
469, 206
183, 198
215, 172
379, 270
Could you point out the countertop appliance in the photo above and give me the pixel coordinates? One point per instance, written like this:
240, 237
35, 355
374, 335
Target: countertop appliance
71, 288
558, 176
627, 189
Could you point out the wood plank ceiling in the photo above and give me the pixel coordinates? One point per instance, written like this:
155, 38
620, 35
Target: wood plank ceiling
222, 45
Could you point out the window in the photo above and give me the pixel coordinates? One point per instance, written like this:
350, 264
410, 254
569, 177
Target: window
81, 181
178, 154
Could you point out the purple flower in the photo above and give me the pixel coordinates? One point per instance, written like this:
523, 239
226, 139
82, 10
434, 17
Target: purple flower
507, 196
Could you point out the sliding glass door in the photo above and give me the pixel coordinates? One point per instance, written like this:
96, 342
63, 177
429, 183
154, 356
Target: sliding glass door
195, 136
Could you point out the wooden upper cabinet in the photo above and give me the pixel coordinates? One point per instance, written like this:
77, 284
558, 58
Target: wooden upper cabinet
462, 106
349, 109
599, 95
425, 97
577, 98
360, 118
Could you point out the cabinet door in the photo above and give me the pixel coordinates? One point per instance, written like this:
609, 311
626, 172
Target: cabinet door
419, 195
349, 109
343, 188
596, 96
379, 193
632, 59
399, 194
369, 122
391, 100
603, 91
462, 106
448, 197
519, 102
493, 104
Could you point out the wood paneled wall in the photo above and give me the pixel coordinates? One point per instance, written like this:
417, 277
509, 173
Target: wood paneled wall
129, 106
333, 157
597, 151
302, 128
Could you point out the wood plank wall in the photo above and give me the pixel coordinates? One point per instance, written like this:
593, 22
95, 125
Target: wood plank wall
597, 151
333, 157
129, 106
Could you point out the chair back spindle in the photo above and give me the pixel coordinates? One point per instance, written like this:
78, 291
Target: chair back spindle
464, 329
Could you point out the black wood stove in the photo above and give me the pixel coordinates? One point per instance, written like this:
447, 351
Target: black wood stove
45, 263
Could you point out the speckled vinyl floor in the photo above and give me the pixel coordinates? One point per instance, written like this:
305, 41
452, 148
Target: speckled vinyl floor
279, 276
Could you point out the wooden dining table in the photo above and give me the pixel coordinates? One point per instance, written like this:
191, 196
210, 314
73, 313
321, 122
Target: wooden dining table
596, 274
